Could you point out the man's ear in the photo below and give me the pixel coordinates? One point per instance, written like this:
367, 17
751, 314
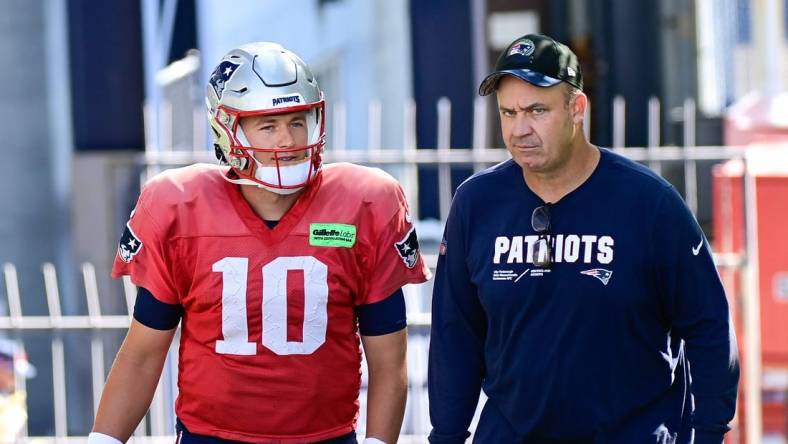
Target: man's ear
579, 105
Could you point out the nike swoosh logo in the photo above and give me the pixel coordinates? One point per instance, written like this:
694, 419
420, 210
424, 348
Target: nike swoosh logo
696, 250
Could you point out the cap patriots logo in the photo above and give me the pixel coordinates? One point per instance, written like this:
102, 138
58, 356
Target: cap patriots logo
599, 273
523, 47
221, 75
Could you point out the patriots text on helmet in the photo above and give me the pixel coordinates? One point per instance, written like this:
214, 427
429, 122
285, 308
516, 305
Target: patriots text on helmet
277, 101
570, 248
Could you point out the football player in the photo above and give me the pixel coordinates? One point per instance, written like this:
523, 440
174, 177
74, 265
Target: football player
273, 264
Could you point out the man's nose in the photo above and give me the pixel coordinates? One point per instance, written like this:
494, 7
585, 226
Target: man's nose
522, 126
286, 139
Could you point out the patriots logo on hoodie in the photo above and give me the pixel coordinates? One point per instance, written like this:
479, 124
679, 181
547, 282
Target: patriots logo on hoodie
599, 273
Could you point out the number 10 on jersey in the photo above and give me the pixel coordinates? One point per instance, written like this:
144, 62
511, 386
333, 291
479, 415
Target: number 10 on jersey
274, 303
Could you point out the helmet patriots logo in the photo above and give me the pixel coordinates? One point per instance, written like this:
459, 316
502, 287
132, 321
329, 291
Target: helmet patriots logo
408, 248
129, 245
599, 273
221, 75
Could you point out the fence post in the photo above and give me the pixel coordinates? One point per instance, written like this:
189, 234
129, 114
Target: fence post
653, 134
374, 125
587, 120
340, 127
130, 293
690, 165
53, 294
199, 140
479, 131
410, 182
91, 293
752, 314
444, 144
12, 291
619, 122
59, 386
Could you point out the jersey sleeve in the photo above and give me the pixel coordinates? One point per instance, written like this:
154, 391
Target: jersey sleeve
698, 311
394, 258
459, 328
142, 253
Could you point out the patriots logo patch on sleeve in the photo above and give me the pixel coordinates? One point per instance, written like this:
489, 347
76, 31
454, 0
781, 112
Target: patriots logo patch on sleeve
408, 248
129, 245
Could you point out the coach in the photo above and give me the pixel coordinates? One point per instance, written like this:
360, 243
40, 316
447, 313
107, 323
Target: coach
574, 286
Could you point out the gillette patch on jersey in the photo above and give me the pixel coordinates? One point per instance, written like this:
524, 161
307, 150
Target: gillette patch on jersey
408, 248
332, 235
129, 245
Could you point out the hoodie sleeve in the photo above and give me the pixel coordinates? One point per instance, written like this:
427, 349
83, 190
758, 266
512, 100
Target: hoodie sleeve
699, 313
456, 356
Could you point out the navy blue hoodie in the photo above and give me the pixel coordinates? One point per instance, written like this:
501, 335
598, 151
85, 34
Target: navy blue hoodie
597, 348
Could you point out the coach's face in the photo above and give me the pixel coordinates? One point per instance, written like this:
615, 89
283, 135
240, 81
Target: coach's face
538, 125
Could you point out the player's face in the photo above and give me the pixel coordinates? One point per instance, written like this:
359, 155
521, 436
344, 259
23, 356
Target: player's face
537, 124
280, 131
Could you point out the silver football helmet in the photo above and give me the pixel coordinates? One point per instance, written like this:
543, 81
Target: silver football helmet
259, 79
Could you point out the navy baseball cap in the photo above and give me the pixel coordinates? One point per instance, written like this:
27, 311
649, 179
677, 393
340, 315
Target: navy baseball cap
538, 60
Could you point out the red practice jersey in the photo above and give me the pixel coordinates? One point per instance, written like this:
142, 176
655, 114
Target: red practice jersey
269, 347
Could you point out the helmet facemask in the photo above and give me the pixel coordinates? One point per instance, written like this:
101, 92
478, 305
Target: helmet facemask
278, 171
